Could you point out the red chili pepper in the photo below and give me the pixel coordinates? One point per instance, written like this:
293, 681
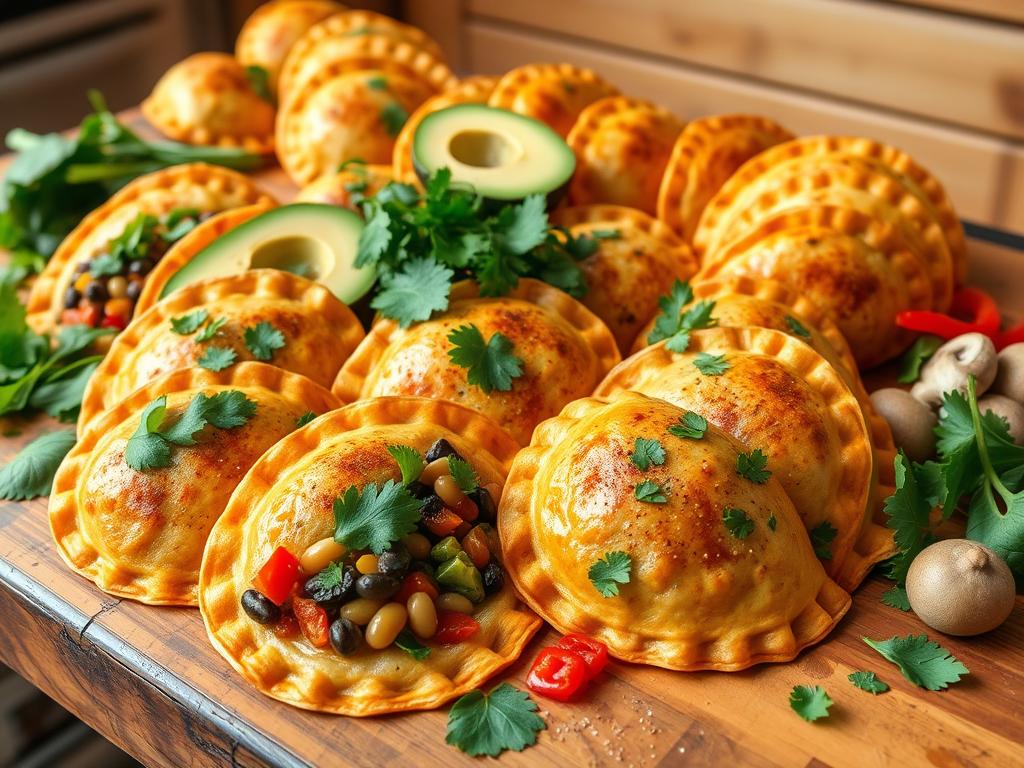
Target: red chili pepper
286, 627
417, 581
557, 673
312, 620
278, 575
979, 309
454, 627
114, 321
593, 652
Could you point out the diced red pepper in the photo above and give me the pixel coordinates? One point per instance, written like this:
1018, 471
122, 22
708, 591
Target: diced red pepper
593, 652
278, 575
114, 321
979, 310
443, 522
557, 673
286, 627
90, 315
417, 581
71, 317
466, 509
312, 620
454, 627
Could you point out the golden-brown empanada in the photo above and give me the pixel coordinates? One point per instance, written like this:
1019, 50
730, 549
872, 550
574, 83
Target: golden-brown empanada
698, 595
197, 186
565, 350
207, 99
272, 29
472, 90
622, 147
636, 260
141, 533
706, 154
347, 187
777, 395
286, 501
318, 331
552, 93
339, 117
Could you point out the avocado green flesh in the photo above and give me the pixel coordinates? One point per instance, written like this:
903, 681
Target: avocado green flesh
319, 242
505, 156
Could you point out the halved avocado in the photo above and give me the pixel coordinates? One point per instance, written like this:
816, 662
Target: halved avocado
504, 155
316, 241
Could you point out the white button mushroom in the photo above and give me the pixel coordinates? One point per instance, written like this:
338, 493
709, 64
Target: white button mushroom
972, 354
1007, 409
1009, 380
912, 422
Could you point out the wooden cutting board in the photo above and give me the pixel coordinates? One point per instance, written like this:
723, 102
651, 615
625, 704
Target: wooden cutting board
148, 679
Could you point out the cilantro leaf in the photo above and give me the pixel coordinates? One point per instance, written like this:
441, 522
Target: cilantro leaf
410, 461
923, 662
611, 570
811, 703
753, 466
393, 116
229, 408
651, 492
147, 448
414, 293
896, 597
463, 474
190, 323
30, 473
216, 358
525, 226
711, 365
667, 323
491, 365
488, 724
737, 522
377, 83
821, 539
691, 425
192, 421
374, 519
919, 353
797, 328
408, 642
262, 339
259, 81
211, 329
908, 514
304, 419
647, 453
867, 681
60, 394
772, 522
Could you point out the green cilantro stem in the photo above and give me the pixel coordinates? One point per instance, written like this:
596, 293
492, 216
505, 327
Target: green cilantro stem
979, 436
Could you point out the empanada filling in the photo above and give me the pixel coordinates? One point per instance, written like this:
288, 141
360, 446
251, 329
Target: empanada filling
409, 562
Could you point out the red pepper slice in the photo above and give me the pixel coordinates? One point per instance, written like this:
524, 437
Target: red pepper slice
978, 307
593, 652
1014, 335
454, 627
417, 581
278, 575
557, 673
312, 620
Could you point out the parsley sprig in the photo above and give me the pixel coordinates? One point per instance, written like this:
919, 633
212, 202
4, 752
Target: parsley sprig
489, 723
611, 570
490, 365
674, 323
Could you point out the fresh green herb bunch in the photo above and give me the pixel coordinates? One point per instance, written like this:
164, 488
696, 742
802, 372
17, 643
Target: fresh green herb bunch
421, 244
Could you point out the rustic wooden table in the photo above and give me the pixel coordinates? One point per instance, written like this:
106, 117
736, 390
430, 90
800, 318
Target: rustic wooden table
148, 679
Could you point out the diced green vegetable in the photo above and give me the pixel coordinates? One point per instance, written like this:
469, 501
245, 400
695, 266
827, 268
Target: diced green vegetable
445, 549
461, 576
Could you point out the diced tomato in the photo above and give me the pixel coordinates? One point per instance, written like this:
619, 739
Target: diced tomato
278, 575
557, 673
443, 522
417, 581
593, 652
454, 627
312, 620
90, 315
114, 321
71, 317
286, 627
466, 509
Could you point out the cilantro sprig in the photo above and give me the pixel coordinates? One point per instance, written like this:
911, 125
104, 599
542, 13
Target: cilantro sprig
711, 365
753, 466
490, 365
263, 339
30, 473
810, 702
410, 461
737, 522
647, 453
923, 662
609, 571
822, 536
651, 492
374, 518
691, 426
489, 723
674, 323
867, 681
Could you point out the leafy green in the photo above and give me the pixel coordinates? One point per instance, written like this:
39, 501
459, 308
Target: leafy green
923, 662
210, 330
811, 703
647, 453
410, 461
147, 448
611, 570
737, 522
463, 474
60, 393
190, 323
415, 292
393, 116
30, 473
867, 681
488, 724
753, 466
651, 492
908, 513
920, 351
896, 597
797, 328
216, 358
490, 365
691, 425
822, 536
304, 419
407, 641
711, 365
773, 523
377, 83
374, 519
262, 339
674, 324
259, 81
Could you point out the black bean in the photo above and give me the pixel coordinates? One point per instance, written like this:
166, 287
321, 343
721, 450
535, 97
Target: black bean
259, 608
71, 298
395, 561
440, 450
345, 636
419, 490
422, 565
134, 290
140, 267
96, 291
376, 586
494, 578
82, 267
328, 592
488, 512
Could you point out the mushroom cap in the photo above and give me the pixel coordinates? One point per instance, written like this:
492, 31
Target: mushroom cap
912, 422
960, 587
970, 354
1009, 380
1008, 409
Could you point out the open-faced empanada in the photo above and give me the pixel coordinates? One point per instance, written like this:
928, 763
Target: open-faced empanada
622, 147
347, 187
847, 181
698, 595
207, 99
552, 93
565, 351
141, 533
369, 38
706, 154
286, 501
273, 28
472, 90
339, 117
777, 395
195, 187
850, 264
636, 260
317, 333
